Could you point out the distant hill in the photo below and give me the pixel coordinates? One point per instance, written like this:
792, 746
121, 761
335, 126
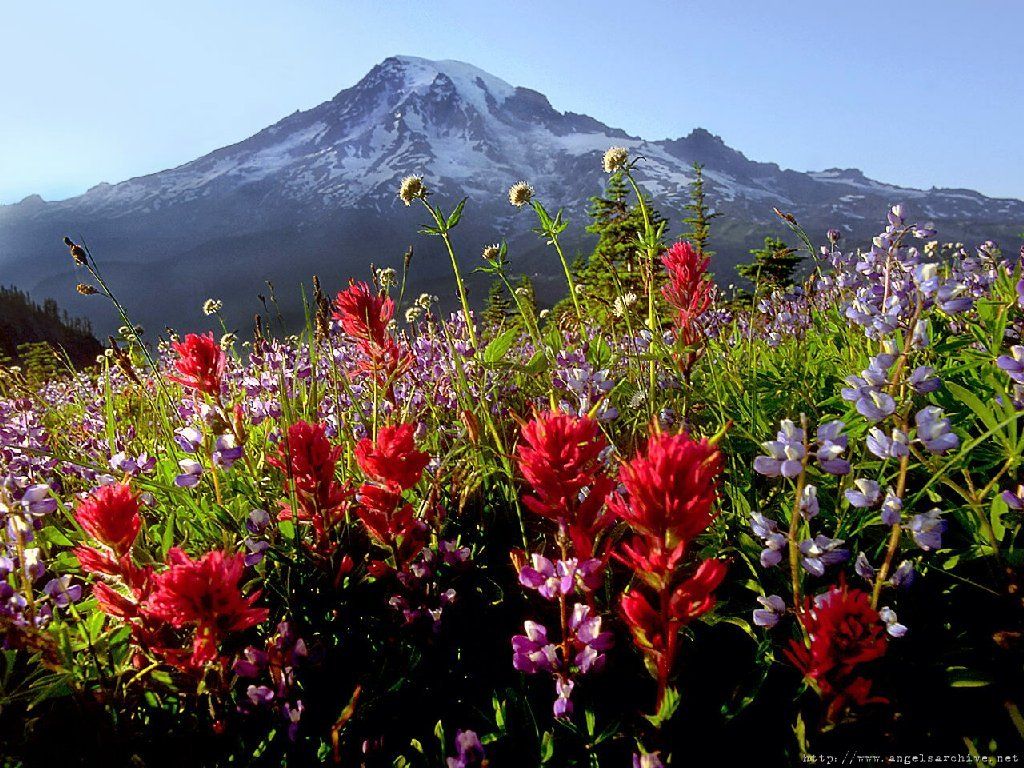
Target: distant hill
316, 192
23, 321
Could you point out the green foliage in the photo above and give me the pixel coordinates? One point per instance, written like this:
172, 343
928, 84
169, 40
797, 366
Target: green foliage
774, 264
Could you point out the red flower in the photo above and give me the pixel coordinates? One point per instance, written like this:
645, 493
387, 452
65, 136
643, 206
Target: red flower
113, 603
309, 459
364, 314
204, 593
560, 457
392, 459
689, 293
668, 499
843, 632
670, 489
391, 521
111, 516
200, 363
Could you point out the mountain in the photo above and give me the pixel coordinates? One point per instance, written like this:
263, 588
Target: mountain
316, 193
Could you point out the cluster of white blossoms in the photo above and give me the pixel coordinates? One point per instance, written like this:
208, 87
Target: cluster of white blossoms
520, 193
622, 303
615, 158
387, 278
212, 306
412, 188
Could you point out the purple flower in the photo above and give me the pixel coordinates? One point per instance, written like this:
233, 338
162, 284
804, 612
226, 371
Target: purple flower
819, 552
864, 494
62, 592
923, 380
255, 549
775, 542
563, 702
892, 624
37, 501
469, 752
933, 430
903, 576
892, 509
532, 652
1020, 286
550, 579
259, 694
809, 502
885, 447
647, 760
772, 608
863, 568
832, 444
587, 631
1014, 499
927, 529
191, 471
1013, 363
188, 439
785, 453
226, 453
257, 521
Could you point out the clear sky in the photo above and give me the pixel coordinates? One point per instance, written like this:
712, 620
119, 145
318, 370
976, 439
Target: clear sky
915, 92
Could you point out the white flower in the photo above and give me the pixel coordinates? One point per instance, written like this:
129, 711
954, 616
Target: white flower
520, 193
412, 187
615, 158
212, 306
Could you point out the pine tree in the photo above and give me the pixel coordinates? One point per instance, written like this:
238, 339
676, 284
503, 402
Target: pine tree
499, 307
616, 266
700, 216
773, 264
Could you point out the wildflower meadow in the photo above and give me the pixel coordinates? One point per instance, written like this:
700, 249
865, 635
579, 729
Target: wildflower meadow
665, 522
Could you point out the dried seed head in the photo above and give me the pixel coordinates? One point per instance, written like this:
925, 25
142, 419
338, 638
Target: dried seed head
228, 340
491, 252
412, 188
78, 254
520, 193
615, 158
212, 306
85, 289
387, 278
413, 314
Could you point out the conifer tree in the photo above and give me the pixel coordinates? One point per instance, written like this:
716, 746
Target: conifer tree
700, 216
773, 264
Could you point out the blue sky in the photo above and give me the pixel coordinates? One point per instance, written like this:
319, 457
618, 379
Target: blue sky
919, 92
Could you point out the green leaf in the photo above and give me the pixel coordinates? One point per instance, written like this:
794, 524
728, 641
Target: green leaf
962, 677
456, 216
499, 347
547, 746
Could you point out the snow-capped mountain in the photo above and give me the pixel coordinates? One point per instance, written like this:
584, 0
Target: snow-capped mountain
316, 193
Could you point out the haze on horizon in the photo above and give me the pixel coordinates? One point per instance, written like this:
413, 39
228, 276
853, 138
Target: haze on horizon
917, 93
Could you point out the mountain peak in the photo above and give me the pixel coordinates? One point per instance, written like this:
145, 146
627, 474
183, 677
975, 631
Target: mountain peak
413, 73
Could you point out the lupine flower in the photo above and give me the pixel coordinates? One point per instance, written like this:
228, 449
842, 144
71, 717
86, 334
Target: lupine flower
549, 579
923, 380
844, 632
927, 529
785, 453
892, 509
226, 452
864, 494
821, 551
200, 364
647, 760
885, 447
832, 444
1014, 499
191, 471
809, 502
62, 592
903, 576
892, 624
772, 609
774, 541
1013, 363
863, 568
204, 593
37, 501
933, 430
469, 752
111, 516
532, 652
